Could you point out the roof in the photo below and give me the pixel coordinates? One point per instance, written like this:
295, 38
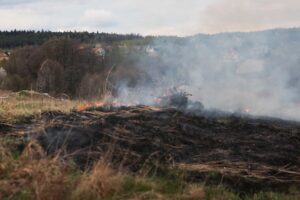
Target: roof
3, 56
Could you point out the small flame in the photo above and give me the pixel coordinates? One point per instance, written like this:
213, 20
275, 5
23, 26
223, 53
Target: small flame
82, 107
85, 106
100, 103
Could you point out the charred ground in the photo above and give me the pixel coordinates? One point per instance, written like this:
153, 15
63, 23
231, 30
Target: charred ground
243, 152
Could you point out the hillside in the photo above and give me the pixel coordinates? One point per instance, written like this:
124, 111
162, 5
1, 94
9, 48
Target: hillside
201, 117
216, 153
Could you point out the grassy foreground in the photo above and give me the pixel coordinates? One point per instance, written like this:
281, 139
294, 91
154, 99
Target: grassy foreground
32, 174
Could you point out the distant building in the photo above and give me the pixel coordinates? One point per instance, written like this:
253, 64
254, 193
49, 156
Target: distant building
99, 50
151, 51
3, 56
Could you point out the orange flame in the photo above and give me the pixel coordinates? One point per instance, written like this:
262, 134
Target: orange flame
83, 107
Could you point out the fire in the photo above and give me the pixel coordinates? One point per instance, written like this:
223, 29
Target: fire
85, 106
113, 103
82, 107
110, 101
100, 103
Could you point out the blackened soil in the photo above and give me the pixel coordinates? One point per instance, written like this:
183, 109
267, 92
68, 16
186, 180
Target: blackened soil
244, 151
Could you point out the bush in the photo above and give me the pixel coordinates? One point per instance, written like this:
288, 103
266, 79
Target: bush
50, 77
92, 85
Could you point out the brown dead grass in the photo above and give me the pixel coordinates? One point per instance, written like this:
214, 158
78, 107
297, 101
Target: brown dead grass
42, 179
98, 183
36, 176
15, 106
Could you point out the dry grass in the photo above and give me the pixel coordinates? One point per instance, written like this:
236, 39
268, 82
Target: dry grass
36, 176
98, 183
15, 106
28, 178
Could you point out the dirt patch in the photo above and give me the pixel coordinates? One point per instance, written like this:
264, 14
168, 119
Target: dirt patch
240, 149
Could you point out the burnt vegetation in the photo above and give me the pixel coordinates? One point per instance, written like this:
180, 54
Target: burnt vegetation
245, 154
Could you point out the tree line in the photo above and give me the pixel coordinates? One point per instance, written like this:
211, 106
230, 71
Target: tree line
17, 38
68, 67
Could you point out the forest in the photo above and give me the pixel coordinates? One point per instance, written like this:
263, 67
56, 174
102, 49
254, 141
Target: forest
17, 38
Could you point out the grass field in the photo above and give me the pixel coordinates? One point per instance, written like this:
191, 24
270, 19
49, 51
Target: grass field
35, 176
14, 107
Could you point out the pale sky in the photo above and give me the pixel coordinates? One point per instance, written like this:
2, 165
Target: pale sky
152, 17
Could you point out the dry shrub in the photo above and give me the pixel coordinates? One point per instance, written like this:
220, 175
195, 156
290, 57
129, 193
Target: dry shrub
91, 86
14, 82
98, 183
33, 151
50, 77
104, 84
129, 75
6, 161
44, 179
195, 192
148, 195
2, 75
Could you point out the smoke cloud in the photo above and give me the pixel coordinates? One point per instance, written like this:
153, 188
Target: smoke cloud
256, 72
249, 15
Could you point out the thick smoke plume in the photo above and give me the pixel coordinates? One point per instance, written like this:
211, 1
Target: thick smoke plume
253, 72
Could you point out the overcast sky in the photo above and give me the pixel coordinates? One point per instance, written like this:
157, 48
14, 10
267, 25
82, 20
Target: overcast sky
154, 17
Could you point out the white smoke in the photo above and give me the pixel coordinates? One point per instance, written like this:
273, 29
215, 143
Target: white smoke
258, 72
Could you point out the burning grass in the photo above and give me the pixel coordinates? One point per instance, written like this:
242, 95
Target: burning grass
15, 107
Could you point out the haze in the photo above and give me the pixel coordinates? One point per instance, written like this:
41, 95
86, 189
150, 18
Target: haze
154, 17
